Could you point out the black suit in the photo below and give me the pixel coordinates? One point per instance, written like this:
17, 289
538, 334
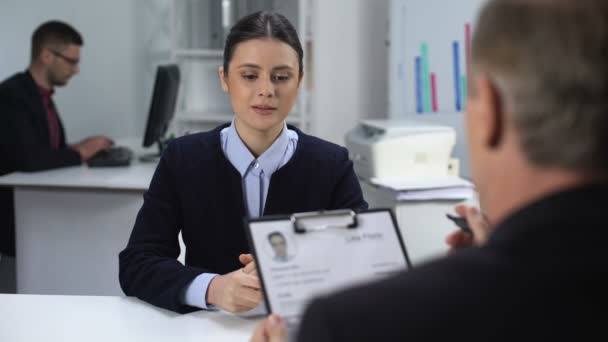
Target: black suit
25, 143
542, 275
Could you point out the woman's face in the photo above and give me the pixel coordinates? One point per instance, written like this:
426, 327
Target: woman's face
262, 81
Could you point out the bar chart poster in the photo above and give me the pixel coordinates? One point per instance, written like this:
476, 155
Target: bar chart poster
429, 54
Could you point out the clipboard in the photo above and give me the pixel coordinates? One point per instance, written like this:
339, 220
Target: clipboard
304, 255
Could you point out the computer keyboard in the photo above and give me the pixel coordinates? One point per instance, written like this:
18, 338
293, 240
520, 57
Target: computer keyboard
115, 156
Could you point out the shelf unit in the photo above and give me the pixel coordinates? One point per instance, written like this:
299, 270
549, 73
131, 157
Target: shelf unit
197, 33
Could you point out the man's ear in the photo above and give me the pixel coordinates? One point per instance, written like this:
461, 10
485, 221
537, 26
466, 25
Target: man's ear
45, 56
222, 75
491, 112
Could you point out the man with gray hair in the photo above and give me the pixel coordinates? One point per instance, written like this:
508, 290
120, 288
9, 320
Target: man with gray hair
537, 125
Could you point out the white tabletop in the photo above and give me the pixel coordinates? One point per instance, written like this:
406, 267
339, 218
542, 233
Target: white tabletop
134, 177
137, 176
106, 319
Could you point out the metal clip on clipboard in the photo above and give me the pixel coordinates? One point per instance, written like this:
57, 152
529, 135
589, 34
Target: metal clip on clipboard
349, 220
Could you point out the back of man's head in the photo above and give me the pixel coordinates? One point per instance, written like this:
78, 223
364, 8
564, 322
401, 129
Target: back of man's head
549, 61
54, 35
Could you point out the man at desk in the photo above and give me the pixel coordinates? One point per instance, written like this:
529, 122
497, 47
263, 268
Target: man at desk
31, 133
537, 126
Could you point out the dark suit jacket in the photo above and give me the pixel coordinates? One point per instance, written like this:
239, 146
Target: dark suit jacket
24, 133
542, 275
24, 143
197, 191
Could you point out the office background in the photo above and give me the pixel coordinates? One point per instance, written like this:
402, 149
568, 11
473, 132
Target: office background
125, 40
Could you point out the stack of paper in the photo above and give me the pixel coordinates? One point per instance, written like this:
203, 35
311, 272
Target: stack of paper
431, 188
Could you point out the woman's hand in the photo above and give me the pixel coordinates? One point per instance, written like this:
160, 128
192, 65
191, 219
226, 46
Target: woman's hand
249, 263
237, 291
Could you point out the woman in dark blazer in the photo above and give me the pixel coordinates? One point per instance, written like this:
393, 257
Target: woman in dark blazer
207, 183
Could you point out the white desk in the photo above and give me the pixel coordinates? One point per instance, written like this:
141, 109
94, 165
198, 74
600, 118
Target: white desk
105, 319
71, 223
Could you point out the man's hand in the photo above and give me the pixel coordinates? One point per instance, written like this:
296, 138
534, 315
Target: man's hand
88, 147
479, 225
272, 329
237, 291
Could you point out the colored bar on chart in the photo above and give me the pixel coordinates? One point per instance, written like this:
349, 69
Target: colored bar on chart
457, 81
467, 39
419, 91
426, 81
464, 92
434, 92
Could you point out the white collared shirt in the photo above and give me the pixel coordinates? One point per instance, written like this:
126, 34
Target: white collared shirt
256, 174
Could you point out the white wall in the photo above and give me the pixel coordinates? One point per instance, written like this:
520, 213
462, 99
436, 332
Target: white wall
102, 99
350, 65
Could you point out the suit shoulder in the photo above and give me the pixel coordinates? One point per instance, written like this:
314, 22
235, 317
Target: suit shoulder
191, 147
323, 150
431, 285
481, 285
313, 142
194, 140
12, 86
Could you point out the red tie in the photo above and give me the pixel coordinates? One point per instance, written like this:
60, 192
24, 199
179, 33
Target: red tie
51, 117
54, 133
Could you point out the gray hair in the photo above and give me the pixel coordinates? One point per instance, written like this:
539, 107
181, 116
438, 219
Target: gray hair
549, 59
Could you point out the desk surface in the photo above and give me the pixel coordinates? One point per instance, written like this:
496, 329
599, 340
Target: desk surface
104, 319
134, 177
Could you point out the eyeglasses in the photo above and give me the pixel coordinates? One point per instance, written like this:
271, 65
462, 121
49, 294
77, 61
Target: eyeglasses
71, 61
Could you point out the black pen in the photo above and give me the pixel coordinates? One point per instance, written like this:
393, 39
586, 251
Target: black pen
461, 222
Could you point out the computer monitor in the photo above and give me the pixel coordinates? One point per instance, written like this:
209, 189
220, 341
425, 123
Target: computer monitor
162, 107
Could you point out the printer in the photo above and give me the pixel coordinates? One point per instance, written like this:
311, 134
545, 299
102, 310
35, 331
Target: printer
401, 148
